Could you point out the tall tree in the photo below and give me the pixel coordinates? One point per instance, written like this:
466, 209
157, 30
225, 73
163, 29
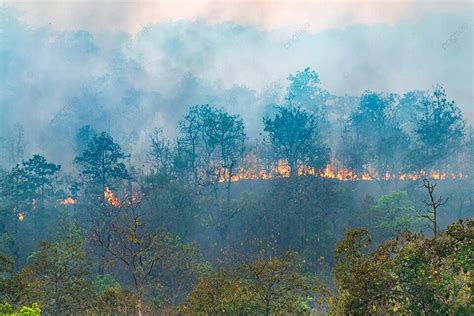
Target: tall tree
226, 134
40, 175
190, 140
26, 187
410, 110
102, 162
304, 91
295, 136
433, 204
376, 130
439, 132
212, 142
140, 248
160, 154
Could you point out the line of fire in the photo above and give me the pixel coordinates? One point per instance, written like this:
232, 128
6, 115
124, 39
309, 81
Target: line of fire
252, 170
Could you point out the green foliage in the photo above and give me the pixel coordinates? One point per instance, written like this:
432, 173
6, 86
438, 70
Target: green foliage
60, 271
295, 136
178, 271
304, 91
30, 311
40, 172
264, 286
104, 282
102, 161
140, 254
407, 275
18, 288
147, 256
439, 133
29, 180
373, 137
7, 309
211, 143
6, 264
396, 213
110, 298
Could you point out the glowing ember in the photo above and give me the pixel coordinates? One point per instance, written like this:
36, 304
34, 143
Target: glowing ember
21, 216
250, 169
135, 198
110, 198
67, 201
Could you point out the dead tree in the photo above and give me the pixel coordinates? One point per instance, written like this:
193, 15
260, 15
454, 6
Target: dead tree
432, 212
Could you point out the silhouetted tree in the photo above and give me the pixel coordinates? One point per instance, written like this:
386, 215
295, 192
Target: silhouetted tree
102, 162
40, 175
161, 154
26, 187
225, 134
433, 203
295, 136
304, 91
212, 142
190, 142
439, 132
378, 140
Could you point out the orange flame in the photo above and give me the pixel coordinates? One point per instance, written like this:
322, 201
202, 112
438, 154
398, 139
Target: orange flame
21, 216
67, 201
250, 169
111, 198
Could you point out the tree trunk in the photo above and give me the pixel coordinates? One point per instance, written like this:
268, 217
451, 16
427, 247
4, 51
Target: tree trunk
139, 306
293, 168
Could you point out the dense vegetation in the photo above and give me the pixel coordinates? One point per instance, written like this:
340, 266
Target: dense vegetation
217, 224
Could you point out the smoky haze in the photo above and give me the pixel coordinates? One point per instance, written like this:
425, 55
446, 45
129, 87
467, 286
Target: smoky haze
54, 82
236, 157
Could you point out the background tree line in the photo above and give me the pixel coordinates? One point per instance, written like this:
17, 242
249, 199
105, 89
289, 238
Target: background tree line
180, 235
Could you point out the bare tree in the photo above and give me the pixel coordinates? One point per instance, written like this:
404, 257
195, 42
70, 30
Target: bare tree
131, 243
160, 154
432, 212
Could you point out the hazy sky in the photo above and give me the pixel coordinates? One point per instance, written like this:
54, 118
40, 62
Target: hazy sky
412, 44
132, 16
163, 57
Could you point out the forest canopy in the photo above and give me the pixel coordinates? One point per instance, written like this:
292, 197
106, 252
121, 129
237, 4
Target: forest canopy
206, 165
215, 223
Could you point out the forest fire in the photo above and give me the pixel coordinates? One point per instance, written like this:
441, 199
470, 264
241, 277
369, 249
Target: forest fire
68, 201
110, 198
282, 170
21, 216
